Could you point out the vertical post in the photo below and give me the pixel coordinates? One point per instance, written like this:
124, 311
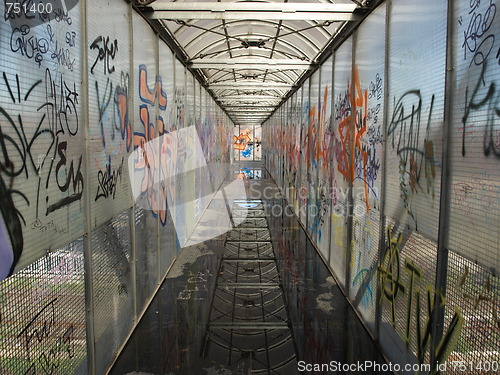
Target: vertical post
350, 217
332, 121
87, 240
316, 185
158, 134
299, 172
444, 203
133, 255
383, 185
308, 151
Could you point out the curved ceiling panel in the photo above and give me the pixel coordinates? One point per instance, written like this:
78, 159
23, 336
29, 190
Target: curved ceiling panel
252, 53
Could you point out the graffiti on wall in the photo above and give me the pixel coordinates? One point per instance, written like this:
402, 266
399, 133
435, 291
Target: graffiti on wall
479, 99
480, 51
41, 153
148, 161
417, 161
246, 143
392, 288
116, 134
45, 342
357, 136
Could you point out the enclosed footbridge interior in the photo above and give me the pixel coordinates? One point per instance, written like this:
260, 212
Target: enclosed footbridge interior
249, 187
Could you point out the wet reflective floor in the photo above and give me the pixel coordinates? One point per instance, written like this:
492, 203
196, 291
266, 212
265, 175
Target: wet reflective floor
256, 300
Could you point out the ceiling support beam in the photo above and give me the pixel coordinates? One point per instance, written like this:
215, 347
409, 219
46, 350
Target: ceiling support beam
249, 97
255, 63
245, 107
162, 9
248, 86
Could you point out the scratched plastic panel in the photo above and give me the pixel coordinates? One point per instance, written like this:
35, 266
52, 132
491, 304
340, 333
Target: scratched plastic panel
146, 248
166, 70
204, 185
280, 130
179, 94
287, 115
414, 125
283, 141
216, 154
227, 144
167, 175
210, 141
313, 158
182, 184
218, 128
271, 146
168, 241
475, 135
293, 151
111, 270
297, 109
416, 98
342, 168
42, 316
257, 134
189, 160
368, 152
109, 108
304, 141
406, 275
42, 162
324, 143
168, 245
149, 99
472, 317
189, 110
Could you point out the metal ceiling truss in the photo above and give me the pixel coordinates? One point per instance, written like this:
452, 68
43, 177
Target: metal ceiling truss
226, 76
277, 64
265, 38
162, 9
252, 55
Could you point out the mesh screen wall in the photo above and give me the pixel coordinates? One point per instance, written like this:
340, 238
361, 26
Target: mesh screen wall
415, 176
86, 232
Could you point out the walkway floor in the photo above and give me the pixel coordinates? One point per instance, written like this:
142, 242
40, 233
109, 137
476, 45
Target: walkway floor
256, 300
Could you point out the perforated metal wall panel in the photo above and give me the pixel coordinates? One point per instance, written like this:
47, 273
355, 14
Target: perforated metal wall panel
415, 115
146, 261
42, 135
473, 284
324, 143
399, 281
42, 324
304, 112
110, 121
342, 167
368, 90
312, 157
112, 265
414, 149
149, 98
188, 185
297, 106
475, 136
